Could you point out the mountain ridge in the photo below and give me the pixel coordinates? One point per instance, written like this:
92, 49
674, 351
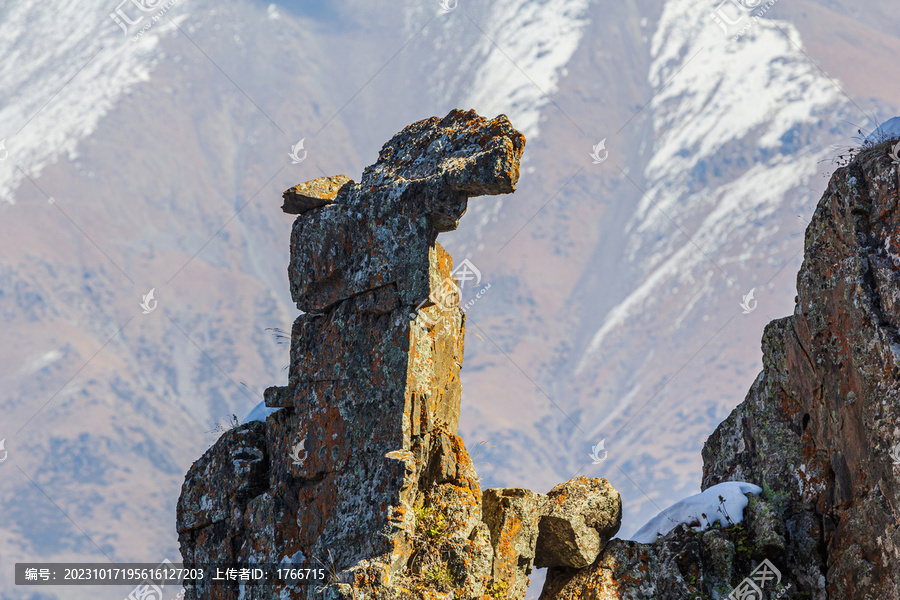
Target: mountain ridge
178, 156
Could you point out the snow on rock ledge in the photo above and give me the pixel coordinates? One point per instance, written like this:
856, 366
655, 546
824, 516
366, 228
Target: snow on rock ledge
723, 503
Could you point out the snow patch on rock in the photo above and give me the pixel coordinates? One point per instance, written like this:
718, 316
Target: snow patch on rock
723, 503
259, 413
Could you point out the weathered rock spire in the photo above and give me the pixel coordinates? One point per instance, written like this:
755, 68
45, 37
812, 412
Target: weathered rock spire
362, 470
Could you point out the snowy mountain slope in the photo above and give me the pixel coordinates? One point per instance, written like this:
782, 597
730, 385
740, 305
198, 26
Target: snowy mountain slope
180, 168
59, 84
515, 53
172, 190
502, 57
698, 205
740, 130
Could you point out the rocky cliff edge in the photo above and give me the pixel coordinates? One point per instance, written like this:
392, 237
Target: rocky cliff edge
362, 471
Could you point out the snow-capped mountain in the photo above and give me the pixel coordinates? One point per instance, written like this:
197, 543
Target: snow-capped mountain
616, 286
740, 129
58, 85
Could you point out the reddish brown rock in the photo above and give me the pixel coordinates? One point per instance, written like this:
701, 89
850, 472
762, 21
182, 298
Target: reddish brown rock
819, 423
381, 231
513, 514
362, 470
816, 430
581, 517
313, 194
222, 482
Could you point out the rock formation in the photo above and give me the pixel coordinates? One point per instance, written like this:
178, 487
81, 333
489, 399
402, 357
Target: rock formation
819, 431
362, 472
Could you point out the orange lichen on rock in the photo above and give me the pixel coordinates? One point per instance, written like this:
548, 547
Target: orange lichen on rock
362, 472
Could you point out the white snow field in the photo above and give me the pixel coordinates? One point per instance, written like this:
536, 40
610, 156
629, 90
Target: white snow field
259, 413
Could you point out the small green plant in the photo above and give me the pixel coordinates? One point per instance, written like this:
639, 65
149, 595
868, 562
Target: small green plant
439, 576
430, 522
497, 589
767, 493
429, 563
741, 537
437, 528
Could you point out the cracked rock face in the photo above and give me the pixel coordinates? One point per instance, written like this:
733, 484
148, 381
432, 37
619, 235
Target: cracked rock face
684, 563
581, 517
362, 471
816, 430
380, 232
819, 423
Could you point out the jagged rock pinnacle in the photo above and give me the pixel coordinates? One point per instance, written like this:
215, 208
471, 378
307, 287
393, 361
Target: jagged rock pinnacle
362, 471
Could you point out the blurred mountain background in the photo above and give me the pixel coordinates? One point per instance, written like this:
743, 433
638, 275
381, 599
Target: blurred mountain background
137, 158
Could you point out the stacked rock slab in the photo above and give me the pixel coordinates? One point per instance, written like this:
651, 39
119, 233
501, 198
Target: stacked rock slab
819, 430
362, 471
